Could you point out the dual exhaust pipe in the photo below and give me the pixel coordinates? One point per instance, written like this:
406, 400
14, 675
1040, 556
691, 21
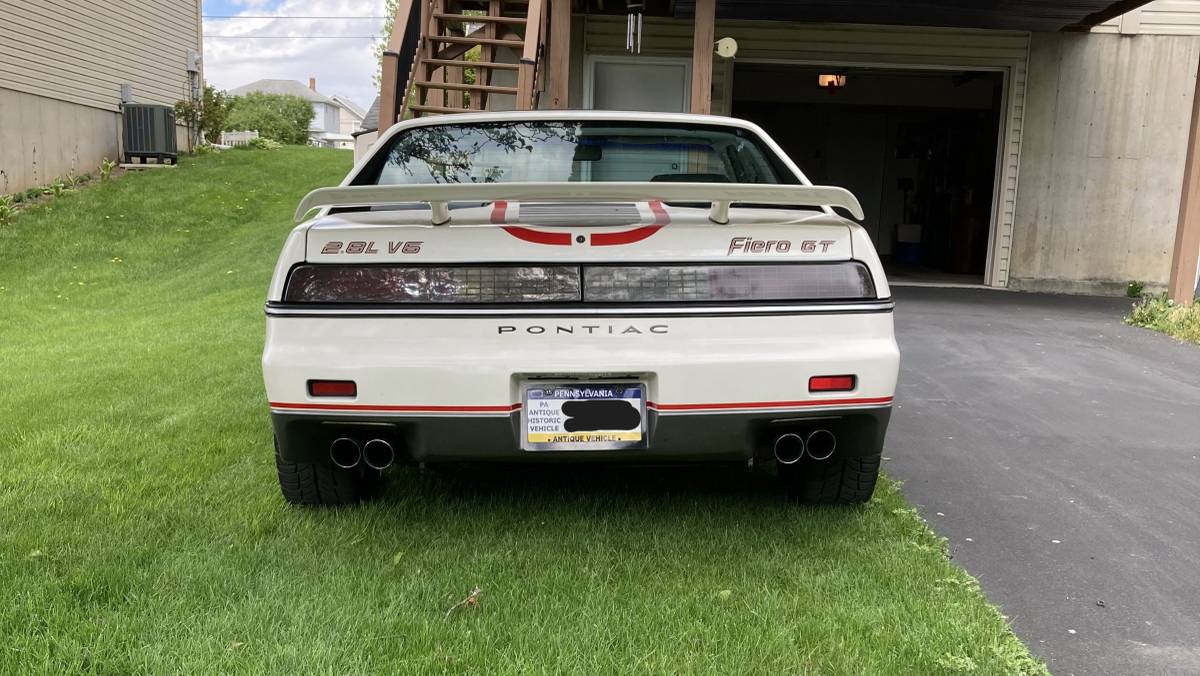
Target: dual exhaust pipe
376, 453
790, 447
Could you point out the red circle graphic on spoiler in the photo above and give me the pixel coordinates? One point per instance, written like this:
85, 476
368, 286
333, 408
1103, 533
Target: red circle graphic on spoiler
558, 238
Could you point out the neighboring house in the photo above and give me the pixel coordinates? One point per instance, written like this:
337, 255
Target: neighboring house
368, 132
326, 127
1025, 145
63, 64
352, 118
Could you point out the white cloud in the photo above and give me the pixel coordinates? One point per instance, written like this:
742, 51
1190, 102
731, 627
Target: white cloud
341, 66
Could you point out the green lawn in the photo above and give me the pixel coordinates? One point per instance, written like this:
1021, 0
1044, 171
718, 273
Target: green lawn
142, 530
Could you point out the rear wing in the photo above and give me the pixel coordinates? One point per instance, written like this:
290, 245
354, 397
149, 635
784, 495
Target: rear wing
719, 195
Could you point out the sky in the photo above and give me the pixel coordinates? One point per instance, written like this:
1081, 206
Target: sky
342, 59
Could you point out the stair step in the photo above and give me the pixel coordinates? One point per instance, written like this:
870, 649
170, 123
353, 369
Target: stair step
467, 18
464, 87
468, 40
441, 110
472, 64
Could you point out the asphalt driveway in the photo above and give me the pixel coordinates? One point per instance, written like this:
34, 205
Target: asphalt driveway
1059, 452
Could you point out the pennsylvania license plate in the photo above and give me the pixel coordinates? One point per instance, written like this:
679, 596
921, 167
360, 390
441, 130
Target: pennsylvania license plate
583, 416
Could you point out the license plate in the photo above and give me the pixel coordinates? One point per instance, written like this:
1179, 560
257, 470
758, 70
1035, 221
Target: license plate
583, 416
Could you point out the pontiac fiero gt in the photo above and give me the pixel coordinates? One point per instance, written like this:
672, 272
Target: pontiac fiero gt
578, 287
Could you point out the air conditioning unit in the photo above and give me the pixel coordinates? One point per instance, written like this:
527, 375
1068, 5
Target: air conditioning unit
149, 133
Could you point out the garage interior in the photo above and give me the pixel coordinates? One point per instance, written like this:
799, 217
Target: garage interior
918, 148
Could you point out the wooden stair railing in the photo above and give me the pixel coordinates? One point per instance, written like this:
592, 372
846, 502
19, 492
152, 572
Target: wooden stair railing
439, 37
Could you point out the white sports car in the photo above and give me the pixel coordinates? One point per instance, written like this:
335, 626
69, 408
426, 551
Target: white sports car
577, 287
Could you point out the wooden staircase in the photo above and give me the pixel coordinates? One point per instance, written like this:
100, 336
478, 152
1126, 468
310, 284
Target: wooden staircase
437, 41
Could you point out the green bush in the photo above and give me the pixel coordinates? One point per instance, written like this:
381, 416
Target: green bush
279, 117
8, 209
207, 115
1135, 289
263, 143
1160, 313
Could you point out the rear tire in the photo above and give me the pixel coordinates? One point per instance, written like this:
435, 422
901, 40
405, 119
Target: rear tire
325, 484
836, 481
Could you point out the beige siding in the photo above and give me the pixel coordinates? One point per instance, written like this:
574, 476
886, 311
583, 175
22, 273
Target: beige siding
82, 51
1102, 167
850, 44
62, 64
1161, 17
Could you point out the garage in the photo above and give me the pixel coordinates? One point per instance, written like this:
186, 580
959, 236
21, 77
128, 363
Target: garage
919, 147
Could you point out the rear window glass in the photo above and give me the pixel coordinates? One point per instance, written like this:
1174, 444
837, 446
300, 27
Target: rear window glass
558, 152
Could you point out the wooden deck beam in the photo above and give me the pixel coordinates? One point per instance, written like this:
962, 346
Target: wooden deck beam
559, 60
702, 56
1187, 234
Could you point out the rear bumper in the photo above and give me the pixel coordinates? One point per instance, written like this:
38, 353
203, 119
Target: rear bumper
710, 437
447, 389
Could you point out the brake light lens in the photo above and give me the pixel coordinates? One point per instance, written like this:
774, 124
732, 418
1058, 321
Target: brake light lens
457, 284
519, 284
727, 283
332, 388
832, 383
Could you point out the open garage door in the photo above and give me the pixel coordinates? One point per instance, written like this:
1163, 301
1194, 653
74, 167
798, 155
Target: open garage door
920, 149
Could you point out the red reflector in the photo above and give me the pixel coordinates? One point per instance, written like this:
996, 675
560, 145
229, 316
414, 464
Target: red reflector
332, 388
831, 383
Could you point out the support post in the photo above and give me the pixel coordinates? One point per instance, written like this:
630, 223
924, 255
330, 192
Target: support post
397, 62
1187, 233
702, 56
560, 53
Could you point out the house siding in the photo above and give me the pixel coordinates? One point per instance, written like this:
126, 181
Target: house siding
769, 41
62, 64
1161, 17
1102, 169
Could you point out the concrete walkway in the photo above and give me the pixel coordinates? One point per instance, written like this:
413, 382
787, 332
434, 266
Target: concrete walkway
1059, 451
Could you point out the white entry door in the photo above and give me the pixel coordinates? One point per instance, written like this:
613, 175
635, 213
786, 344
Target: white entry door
638, 83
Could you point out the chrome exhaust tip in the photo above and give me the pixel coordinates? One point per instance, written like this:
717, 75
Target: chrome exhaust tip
789, 448
345, 453
378, 454
820, 444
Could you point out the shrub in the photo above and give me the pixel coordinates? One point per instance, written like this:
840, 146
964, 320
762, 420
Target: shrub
1160, 313
1135, 289
263, 143
279, 117
8, 209
106, 169
207, 115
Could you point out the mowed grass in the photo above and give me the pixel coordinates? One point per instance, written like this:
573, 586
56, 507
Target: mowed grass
142, 530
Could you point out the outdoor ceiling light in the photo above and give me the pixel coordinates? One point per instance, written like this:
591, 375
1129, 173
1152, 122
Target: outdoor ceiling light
831, 81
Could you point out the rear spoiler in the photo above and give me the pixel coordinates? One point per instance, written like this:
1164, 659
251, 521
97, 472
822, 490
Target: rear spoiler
719, 195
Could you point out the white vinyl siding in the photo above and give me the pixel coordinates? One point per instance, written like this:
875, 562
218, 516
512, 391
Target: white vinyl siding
774, 41
82, 51
1161, 17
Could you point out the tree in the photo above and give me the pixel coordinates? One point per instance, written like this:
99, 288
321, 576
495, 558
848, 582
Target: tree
389, 11
279, 117
208, 115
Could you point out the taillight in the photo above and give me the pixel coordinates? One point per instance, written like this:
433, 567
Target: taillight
514, 284
726, 283
831, 383
449, 284
332, 388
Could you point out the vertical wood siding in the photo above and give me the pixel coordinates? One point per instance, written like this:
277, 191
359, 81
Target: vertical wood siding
82, 51
852, 44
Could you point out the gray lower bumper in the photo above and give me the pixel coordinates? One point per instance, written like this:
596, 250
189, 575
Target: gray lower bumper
673, 438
